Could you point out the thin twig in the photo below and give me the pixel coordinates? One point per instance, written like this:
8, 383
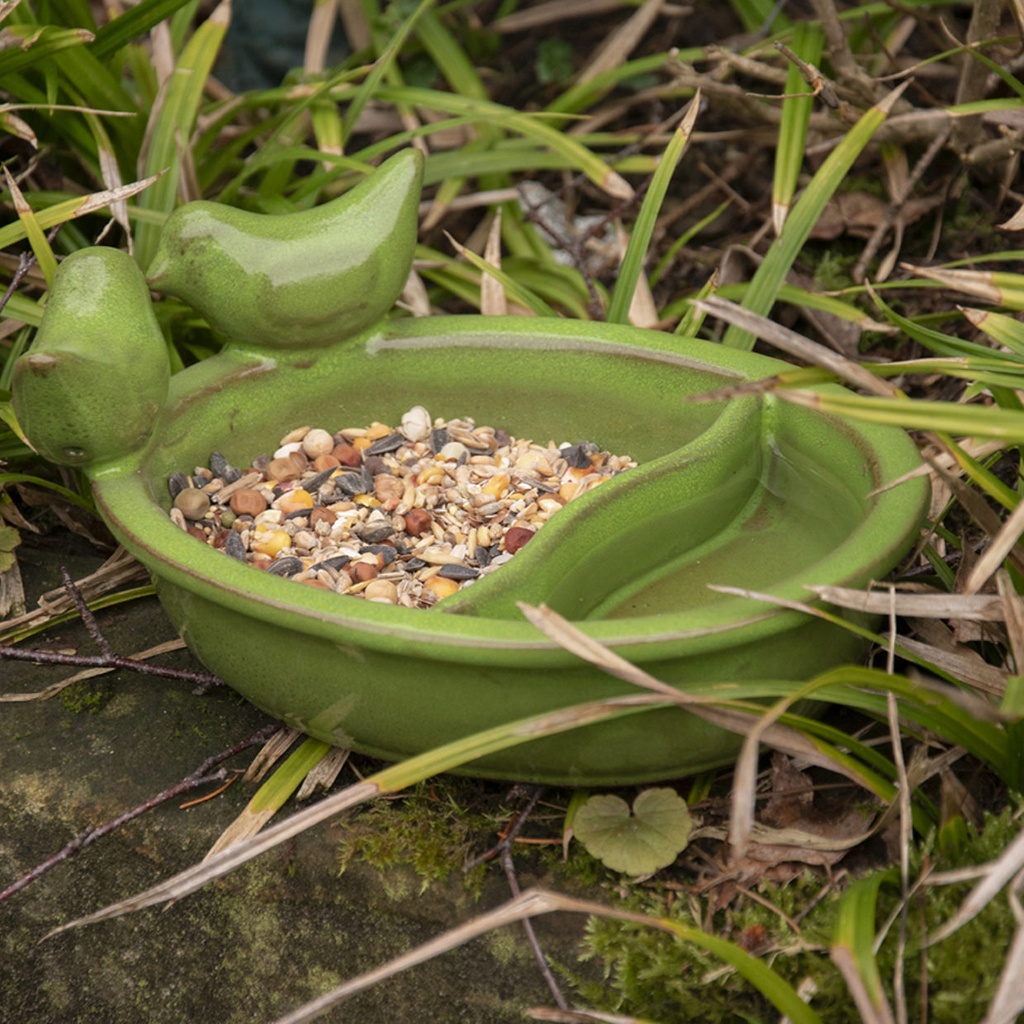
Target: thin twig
25, 263
895, 207
107, 658
86, 615
200, 777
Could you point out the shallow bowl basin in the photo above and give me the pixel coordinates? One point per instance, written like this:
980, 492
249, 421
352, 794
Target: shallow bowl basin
751, 492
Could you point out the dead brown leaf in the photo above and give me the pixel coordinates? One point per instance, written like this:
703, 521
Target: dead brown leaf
860, 213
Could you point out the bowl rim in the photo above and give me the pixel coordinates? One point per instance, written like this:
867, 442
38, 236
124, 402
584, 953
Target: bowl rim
147, 532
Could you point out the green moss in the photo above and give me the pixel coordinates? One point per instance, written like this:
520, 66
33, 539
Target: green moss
650, 974
89, 695
433, 829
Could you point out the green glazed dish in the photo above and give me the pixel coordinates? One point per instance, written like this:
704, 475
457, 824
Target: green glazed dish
750, 492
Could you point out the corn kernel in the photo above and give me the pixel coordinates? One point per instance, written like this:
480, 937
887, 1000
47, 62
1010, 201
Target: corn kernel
497, 486
441, 586
270, 542
376, 431
294, 501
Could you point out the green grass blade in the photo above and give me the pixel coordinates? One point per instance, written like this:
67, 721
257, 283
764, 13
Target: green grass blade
807, 44
532, 126
935, 341
1002, 329
693, 317
64, 211
1001, 287
513, 289
449, 57
759, 15
22, 633
33, 232
987, 481
685, 238
771, 985
584, 96
48, 485
769, 277
640, 239
853, 947
381, 67
944, 417
135, 21
37, 46
173, 123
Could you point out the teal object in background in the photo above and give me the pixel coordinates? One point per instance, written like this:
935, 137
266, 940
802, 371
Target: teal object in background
266, 39
750, 492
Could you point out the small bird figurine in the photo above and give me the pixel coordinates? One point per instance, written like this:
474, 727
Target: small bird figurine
96, 375
296, 280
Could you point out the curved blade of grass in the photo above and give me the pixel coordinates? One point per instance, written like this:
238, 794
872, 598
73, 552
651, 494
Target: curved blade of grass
640, 238
273, 794
939, 709
70, 209
449, 56
19, 634
33, 232
513, 289
943, 417
1002, 329
134, 22
24, 309
979, 475
934, 341
48, 485
382, 66
584, 95
759, 15
173, 121
806, 43
535, 902
532, 126
771, 274
37, 46
694, 315
983, 107
1000, 287
853, 949
389, 780
684, 239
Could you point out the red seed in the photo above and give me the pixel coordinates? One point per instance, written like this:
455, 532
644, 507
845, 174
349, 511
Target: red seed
321, 515
347, 455
516, 537
322, 462
247, 502
417, 522
363, 571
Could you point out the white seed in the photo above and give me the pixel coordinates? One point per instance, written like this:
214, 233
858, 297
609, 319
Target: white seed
318, 442
416, 423
453, 451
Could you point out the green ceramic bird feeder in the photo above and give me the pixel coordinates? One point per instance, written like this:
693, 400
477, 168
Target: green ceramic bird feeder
749, 492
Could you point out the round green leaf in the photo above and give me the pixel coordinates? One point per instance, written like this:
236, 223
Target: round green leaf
639, 843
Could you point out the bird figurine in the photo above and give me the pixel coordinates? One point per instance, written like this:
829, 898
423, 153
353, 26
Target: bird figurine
96, 375
296, 280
